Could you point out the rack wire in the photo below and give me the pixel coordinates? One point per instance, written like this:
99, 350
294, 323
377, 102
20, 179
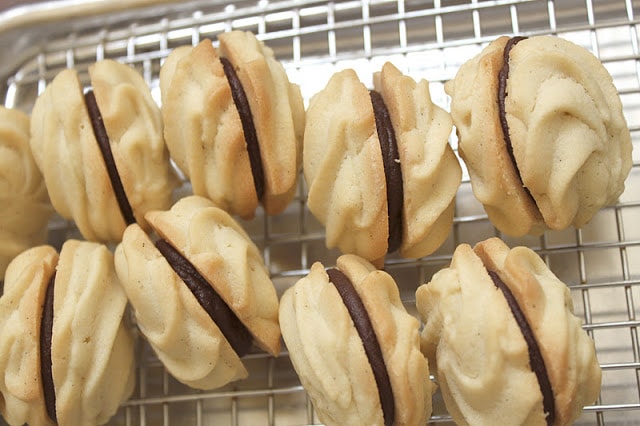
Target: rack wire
600, 262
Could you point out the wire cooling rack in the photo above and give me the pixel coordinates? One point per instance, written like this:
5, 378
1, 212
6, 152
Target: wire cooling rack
600, 263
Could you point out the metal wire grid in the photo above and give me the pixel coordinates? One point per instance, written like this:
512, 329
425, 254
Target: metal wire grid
313, 39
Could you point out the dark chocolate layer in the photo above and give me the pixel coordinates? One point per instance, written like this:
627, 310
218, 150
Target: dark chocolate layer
503, 76
535, 356
46, 333
248, 127
229, 324
105, 148
392, 169
362, 322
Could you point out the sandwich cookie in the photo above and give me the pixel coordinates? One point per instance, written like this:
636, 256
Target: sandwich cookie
102, 152
200, 292
234, 123
355, 347
381, 174
542, 132
66, 348
503, 341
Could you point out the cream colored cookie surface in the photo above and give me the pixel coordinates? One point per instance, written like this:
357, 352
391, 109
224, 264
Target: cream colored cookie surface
67, 153
572, 143
570, 140
328, 354
480, 357
26, 209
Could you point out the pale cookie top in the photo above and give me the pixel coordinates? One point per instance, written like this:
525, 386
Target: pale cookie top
570, 140
23, 195
329, 356
478, 351
92, 345
344, 170
570, 97
203, 128
66, 150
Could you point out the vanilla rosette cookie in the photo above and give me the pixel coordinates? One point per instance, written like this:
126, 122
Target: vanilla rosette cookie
234, 123
66, 349
500, 333
355, 347
25, 209
102, 153
380, 171
201, 293
542, 132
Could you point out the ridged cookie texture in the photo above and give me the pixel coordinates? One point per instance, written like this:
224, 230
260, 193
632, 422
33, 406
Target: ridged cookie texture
66, 149
343, 166
328, 354
92, 350
26, 209
186, 339
481, 359
570, 141
204, 130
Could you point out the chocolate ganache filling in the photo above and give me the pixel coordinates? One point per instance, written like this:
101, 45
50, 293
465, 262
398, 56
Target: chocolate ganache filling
100, 133
229, 324
536, 361
46, 333
363, 325
248, 127
503, 76
392, 169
